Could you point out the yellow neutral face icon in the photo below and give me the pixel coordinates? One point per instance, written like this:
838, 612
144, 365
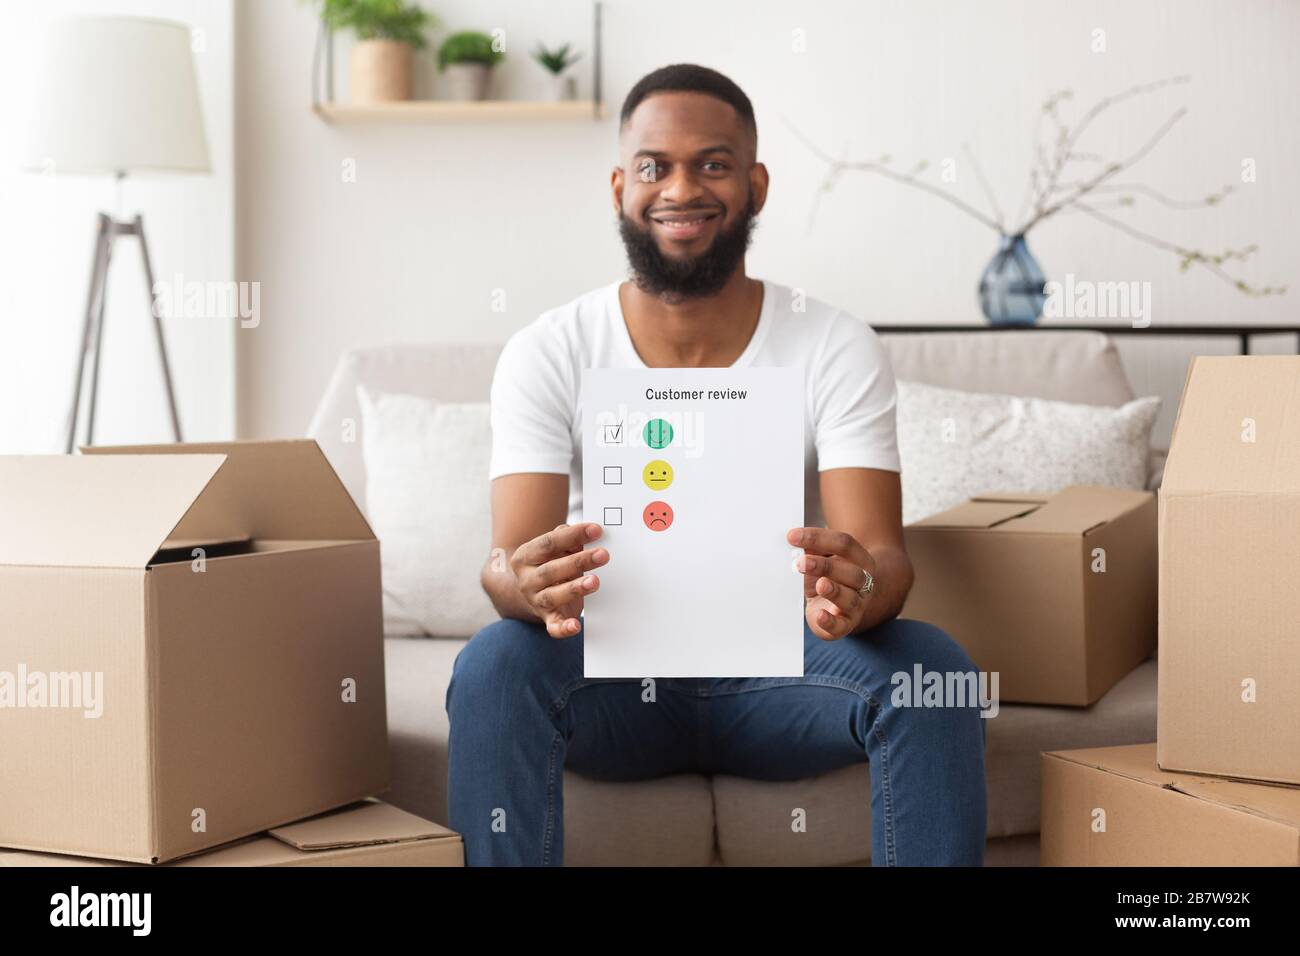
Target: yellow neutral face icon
658, 475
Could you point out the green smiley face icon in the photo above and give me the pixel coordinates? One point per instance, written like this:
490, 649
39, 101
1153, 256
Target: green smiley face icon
658, 433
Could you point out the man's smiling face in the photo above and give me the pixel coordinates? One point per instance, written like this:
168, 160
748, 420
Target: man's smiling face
686, 190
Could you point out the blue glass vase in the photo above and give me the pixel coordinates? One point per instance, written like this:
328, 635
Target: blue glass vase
1011, 288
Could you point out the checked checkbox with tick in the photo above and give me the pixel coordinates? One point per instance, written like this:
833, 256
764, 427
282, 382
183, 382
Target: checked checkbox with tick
613, 434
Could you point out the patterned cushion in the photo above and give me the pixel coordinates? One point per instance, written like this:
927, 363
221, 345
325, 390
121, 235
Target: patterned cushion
956, 444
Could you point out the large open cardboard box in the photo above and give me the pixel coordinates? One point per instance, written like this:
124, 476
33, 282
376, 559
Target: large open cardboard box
1055, 593
1230, 572
191, 647
1112, 806
366, 834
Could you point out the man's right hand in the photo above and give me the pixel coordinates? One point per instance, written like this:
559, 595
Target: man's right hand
551, 571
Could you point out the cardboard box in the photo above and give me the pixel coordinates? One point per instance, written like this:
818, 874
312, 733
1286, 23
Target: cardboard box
367, 834
1230, 572
1112, 806
163, 699
1018, 581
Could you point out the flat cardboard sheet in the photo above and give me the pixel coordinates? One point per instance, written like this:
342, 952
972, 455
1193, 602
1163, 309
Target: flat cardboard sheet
363, 824
695, 495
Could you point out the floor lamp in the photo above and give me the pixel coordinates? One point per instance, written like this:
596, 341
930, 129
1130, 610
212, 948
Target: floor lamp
120, 98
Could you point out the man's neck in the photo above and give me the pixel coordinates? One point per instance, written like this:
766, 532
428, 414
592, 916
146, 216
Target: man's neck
709, 332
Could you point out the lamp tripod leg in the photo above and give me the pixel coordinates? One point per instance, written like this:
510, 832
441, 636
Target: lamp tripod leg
97, 342
158, 329
94, 308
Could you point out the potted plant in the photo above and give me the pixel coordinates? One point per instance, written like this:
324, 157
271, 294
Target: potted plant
466, 59
555, 62
388, 33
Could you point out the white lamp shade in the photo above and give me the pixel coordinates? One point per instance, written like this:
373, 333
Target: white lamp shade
118, 95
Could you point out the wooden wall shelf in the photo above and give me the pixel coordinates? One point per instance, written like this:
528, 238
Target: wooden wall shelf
440, 111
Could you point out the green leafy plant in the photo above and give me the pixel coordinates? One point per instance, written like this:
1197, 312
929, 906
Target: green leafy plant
469, 46
379, 20
557, 60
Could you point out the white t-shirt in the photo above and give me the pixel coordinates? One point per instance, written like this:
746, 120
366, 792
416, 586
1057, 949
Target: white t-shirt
850, 392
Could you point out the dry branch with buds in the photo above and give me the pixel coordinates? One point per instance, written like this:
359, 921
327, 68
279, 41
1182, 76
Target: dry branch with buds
1048, 194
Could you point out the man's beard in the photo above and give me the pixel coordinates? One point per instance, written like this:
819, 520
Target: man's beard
693, 278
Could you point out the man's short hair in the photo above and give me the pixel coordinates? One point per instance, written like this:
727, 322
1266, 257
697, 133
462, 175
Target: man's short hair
690, 78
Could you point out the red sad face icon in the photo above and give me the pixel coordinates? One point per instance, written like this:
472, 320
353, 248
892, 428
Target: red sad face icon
658, 516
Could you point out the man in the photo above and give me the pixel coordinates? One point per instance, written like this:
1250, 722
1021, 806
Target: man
686, 191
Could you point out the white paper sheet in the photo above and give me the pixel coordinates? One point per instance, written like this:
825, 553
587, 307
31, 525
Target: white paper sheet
700, 580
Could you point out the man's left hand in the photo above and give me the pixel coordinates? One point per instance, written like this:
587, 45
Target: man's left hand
832, 564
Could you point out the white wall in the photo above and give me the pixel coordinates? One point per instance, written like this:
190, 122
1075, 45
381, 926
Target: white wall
47, 241
441, 215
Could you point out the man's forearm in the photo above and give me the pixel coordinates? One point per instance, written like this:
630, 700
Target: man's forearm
893, 579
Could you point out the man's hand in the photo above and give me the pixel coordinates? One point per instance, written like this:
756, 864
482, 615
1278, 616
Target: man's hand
551, 574
832, 566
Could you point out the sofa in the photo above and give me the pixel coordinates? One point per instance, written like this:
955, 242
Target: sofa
691, 819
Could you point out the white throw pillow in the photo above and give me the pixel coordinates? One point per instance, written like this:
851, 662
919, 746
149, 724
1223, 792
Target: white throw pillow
954, 445
427, 501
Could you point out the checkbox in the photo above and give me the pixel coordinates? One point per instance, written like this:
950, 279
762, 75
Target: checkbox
613, 474
614, 434
613, 516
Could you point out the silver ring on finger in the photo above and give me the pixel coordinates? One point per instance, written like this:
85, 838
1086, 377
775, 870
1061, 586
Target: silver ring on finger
868, 583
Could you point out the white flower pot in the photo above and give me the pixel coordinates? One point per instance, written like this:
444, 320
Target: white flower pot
562, 88
467, 81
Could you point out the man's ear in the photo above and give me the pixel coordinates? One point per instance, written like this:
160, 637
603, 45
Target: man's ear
758, 183
616, 187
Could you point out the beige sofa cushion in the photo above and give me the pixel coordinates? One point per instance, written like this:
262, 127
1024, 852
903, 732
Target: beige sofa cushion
1081, 367
671, 820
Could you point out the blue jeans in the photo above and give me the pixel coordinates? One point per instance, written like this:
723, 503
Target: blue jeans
521, 712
